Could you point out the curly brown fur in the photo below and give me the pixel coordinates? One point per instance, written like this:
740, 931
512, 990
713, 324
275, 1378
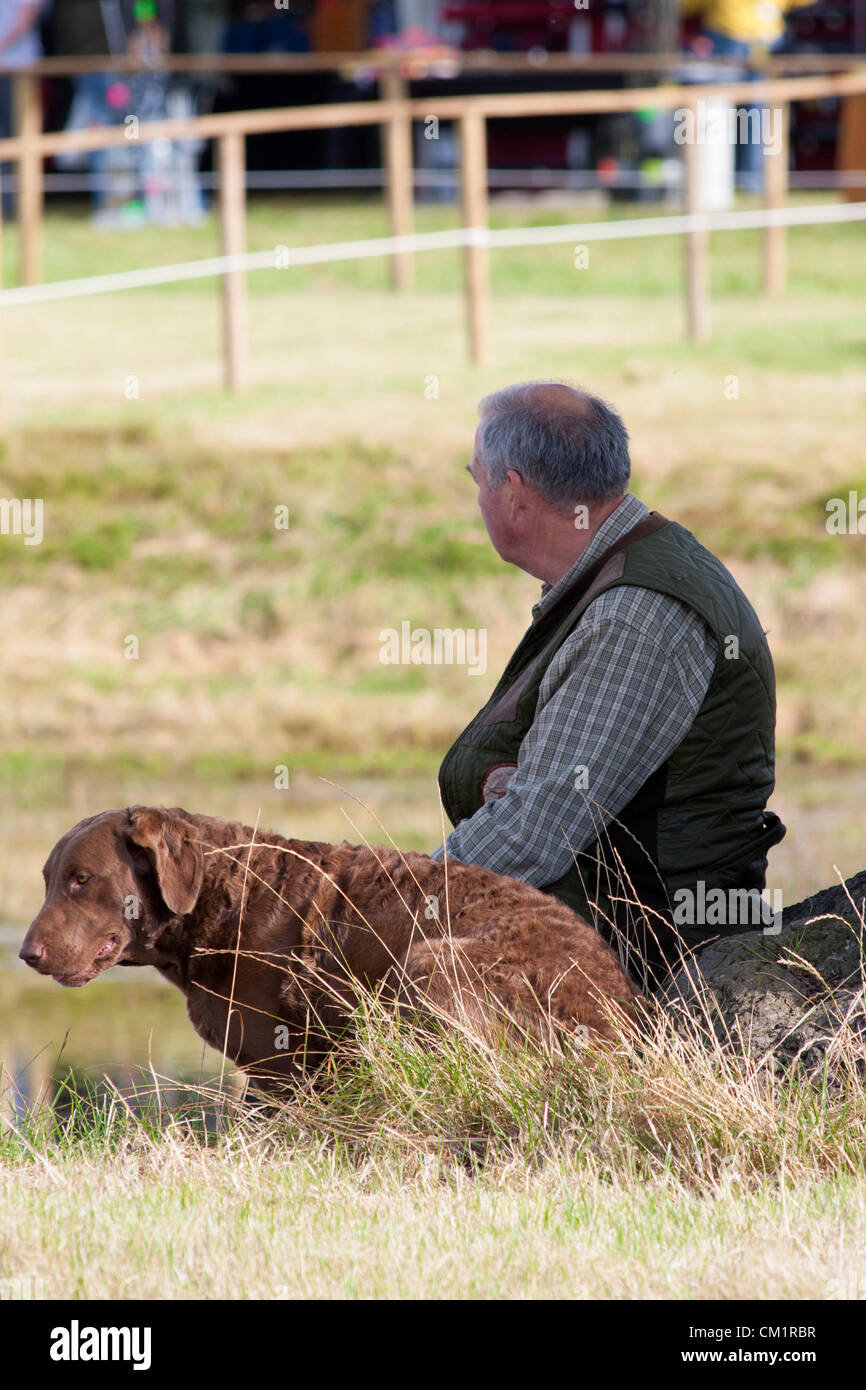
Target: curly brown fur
319, 924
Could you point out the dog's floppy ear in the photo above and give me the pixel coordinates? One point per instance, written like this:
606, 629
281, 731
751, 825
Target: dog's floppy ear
174, 847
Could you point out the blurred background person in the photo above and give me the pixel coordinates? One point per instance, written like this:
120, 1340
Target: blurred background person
747, 29
20, 45
133, 184
79, 30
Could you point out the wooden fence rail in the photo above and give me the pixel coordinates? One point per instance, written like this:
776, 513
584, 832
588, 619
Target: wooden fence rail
394, 113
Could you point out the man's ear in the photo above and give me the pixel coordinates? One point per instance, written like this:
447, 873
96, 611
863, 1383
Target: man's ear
516, 497
174, 847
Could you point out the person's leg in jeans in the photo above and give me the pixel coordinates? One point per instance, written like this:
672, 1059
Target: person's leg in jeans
750, 154
95, 86
750, 151
5, 133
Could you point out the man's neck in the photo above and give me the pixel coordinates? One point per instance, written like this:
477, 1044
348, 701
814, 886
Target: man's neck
564, 542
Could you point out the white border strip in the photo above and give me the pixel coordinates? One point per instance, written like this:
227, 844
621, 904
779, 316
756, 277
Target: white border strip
281, 257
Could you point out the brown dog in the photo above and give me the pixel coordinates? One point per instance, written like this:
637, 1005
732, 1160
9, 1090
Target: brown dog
289, 930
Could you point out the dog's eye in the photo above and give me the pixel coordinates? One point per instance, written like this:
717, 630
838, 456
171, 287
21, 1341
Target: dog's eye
78, 879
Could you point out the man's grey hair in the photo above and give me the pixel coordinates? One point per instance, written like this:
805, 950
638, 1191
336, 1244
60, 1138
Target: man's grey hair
568, 455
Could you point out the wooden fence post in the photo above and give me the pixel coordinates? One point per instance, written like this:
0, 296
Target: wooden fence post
232, 205
696, 241
397, 145
851, 145
28, 125
473, 176
776, 196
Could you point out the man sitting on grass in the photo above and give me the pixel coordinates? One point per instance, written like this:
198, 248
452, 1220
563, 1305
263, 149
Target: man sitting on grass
624, 761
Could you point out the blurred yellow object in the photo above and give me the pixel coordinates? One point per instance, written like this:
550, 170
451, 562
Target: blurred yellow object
749, 21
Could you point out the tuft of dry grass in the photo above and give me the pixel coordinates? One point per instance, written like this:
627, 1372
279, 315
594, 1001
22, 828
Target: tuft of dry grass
455, 1170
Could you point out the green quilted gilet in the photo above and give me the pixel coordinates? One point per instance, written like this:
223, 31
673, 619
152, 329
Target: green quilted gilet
700, 819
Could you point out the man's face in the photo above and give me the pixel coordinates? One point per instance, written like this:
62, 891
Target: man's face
494, 506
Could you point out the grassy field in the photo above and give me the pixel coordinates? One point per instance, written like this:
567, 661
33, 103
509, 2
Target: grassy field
445, 1168
259, 648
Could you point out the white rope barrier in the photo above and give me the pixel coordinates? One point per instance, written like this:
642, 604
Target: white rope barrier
284, 257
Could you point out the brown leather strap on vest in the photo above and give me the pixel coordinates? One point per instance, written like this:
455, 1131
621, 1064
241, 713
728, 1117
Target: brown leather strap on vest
576, 597
654, 522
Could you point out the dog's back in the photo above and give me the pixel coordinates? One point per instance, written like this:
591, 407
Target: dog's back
260, 930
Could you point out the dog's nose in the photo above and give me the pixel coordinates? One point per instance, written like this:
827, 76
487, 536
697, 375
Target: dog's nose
32, 952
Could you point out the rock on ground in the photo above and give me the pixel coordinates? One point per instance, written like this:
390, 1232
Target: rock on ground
797, 995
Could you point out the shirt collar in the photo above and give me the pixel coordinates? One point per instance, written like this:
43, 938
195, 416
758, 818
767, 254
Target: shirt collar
627, 515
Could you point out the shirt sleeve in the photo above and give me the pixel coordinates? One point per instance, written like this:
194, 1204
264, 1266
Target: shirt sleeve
619, 696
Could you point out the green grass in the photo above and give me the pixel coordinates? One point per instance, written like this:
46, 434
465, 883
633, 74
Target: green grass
74, 249
260, 647
442, 1166
457, 1170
